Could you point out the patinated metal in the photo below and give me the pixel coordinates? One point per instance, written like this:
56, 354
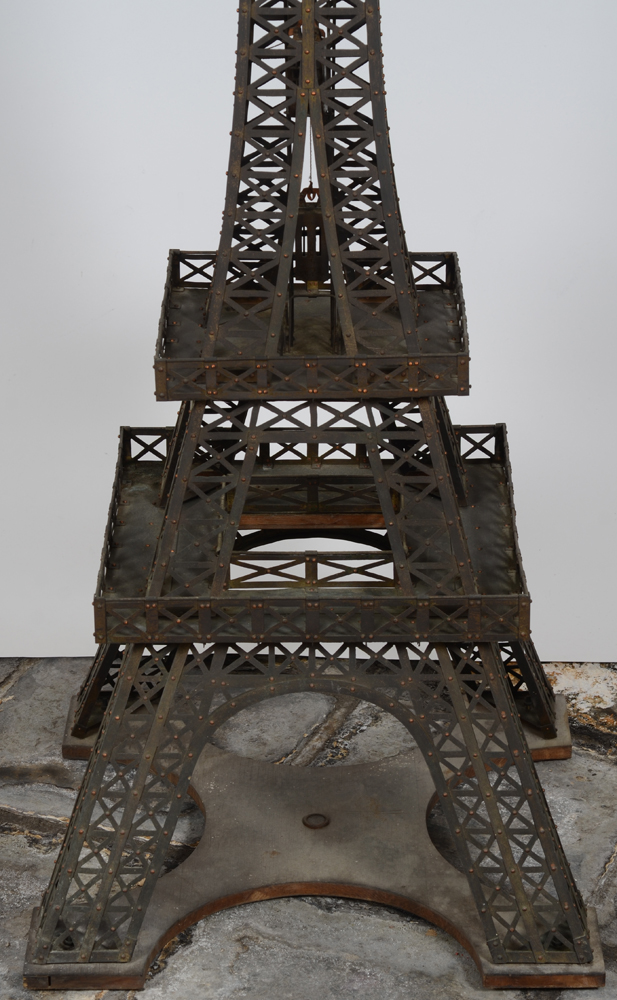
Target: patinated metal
313, 355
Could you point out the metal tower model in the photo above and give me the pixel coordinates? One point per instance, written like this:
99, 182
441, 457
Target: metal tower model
312, 355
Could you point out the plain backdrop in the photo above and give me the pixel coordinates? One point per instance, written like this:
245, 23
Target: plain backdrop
115, 123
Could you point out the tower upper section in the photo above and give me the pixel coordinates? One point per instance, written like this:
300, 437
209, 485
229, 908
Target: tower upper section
313, 290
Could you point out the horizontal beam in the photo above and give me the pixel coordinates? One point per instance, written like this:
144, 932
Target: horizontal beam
330, 377
303, 616
312, 521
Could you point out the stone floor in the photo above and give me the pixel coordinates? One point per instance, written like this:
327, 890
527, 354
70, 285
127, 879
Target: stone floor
301, 948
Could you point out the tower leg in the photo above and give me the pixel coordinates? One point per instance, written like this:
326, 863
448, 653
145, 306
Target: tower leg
90, 706
536, 706
455, 701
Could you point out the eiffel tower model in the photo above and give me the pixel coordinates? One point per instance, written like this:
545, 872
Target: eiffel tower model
312, 356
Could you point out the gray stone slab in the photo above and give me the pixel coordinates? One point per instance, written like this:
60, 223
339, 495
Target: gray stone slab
582, 796
368, 734
27, 864
279, 730
272, 730
8, 666
35, 700
320, 949
591, 693
36, 807
308, 949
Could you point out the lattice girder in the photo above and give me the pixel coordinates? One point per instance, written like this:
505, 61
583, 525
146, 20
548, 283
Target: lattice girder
317, 67
532, 693
454, 701
344, 108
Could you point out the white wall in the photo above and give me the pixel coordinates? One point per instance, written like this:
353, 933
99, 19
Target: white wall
115, 119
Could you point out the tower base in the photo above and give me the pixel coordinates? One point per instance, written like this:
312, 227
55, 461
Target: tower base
355, 831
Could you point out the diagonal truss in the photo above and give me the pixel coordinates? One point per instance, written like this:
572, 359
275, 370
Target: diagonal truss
387, 477
407, 488
313, 65
454, 700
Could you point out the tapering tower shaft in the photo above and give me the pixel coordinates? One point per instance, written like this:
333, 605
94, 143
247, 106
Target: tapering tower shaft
311, 69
